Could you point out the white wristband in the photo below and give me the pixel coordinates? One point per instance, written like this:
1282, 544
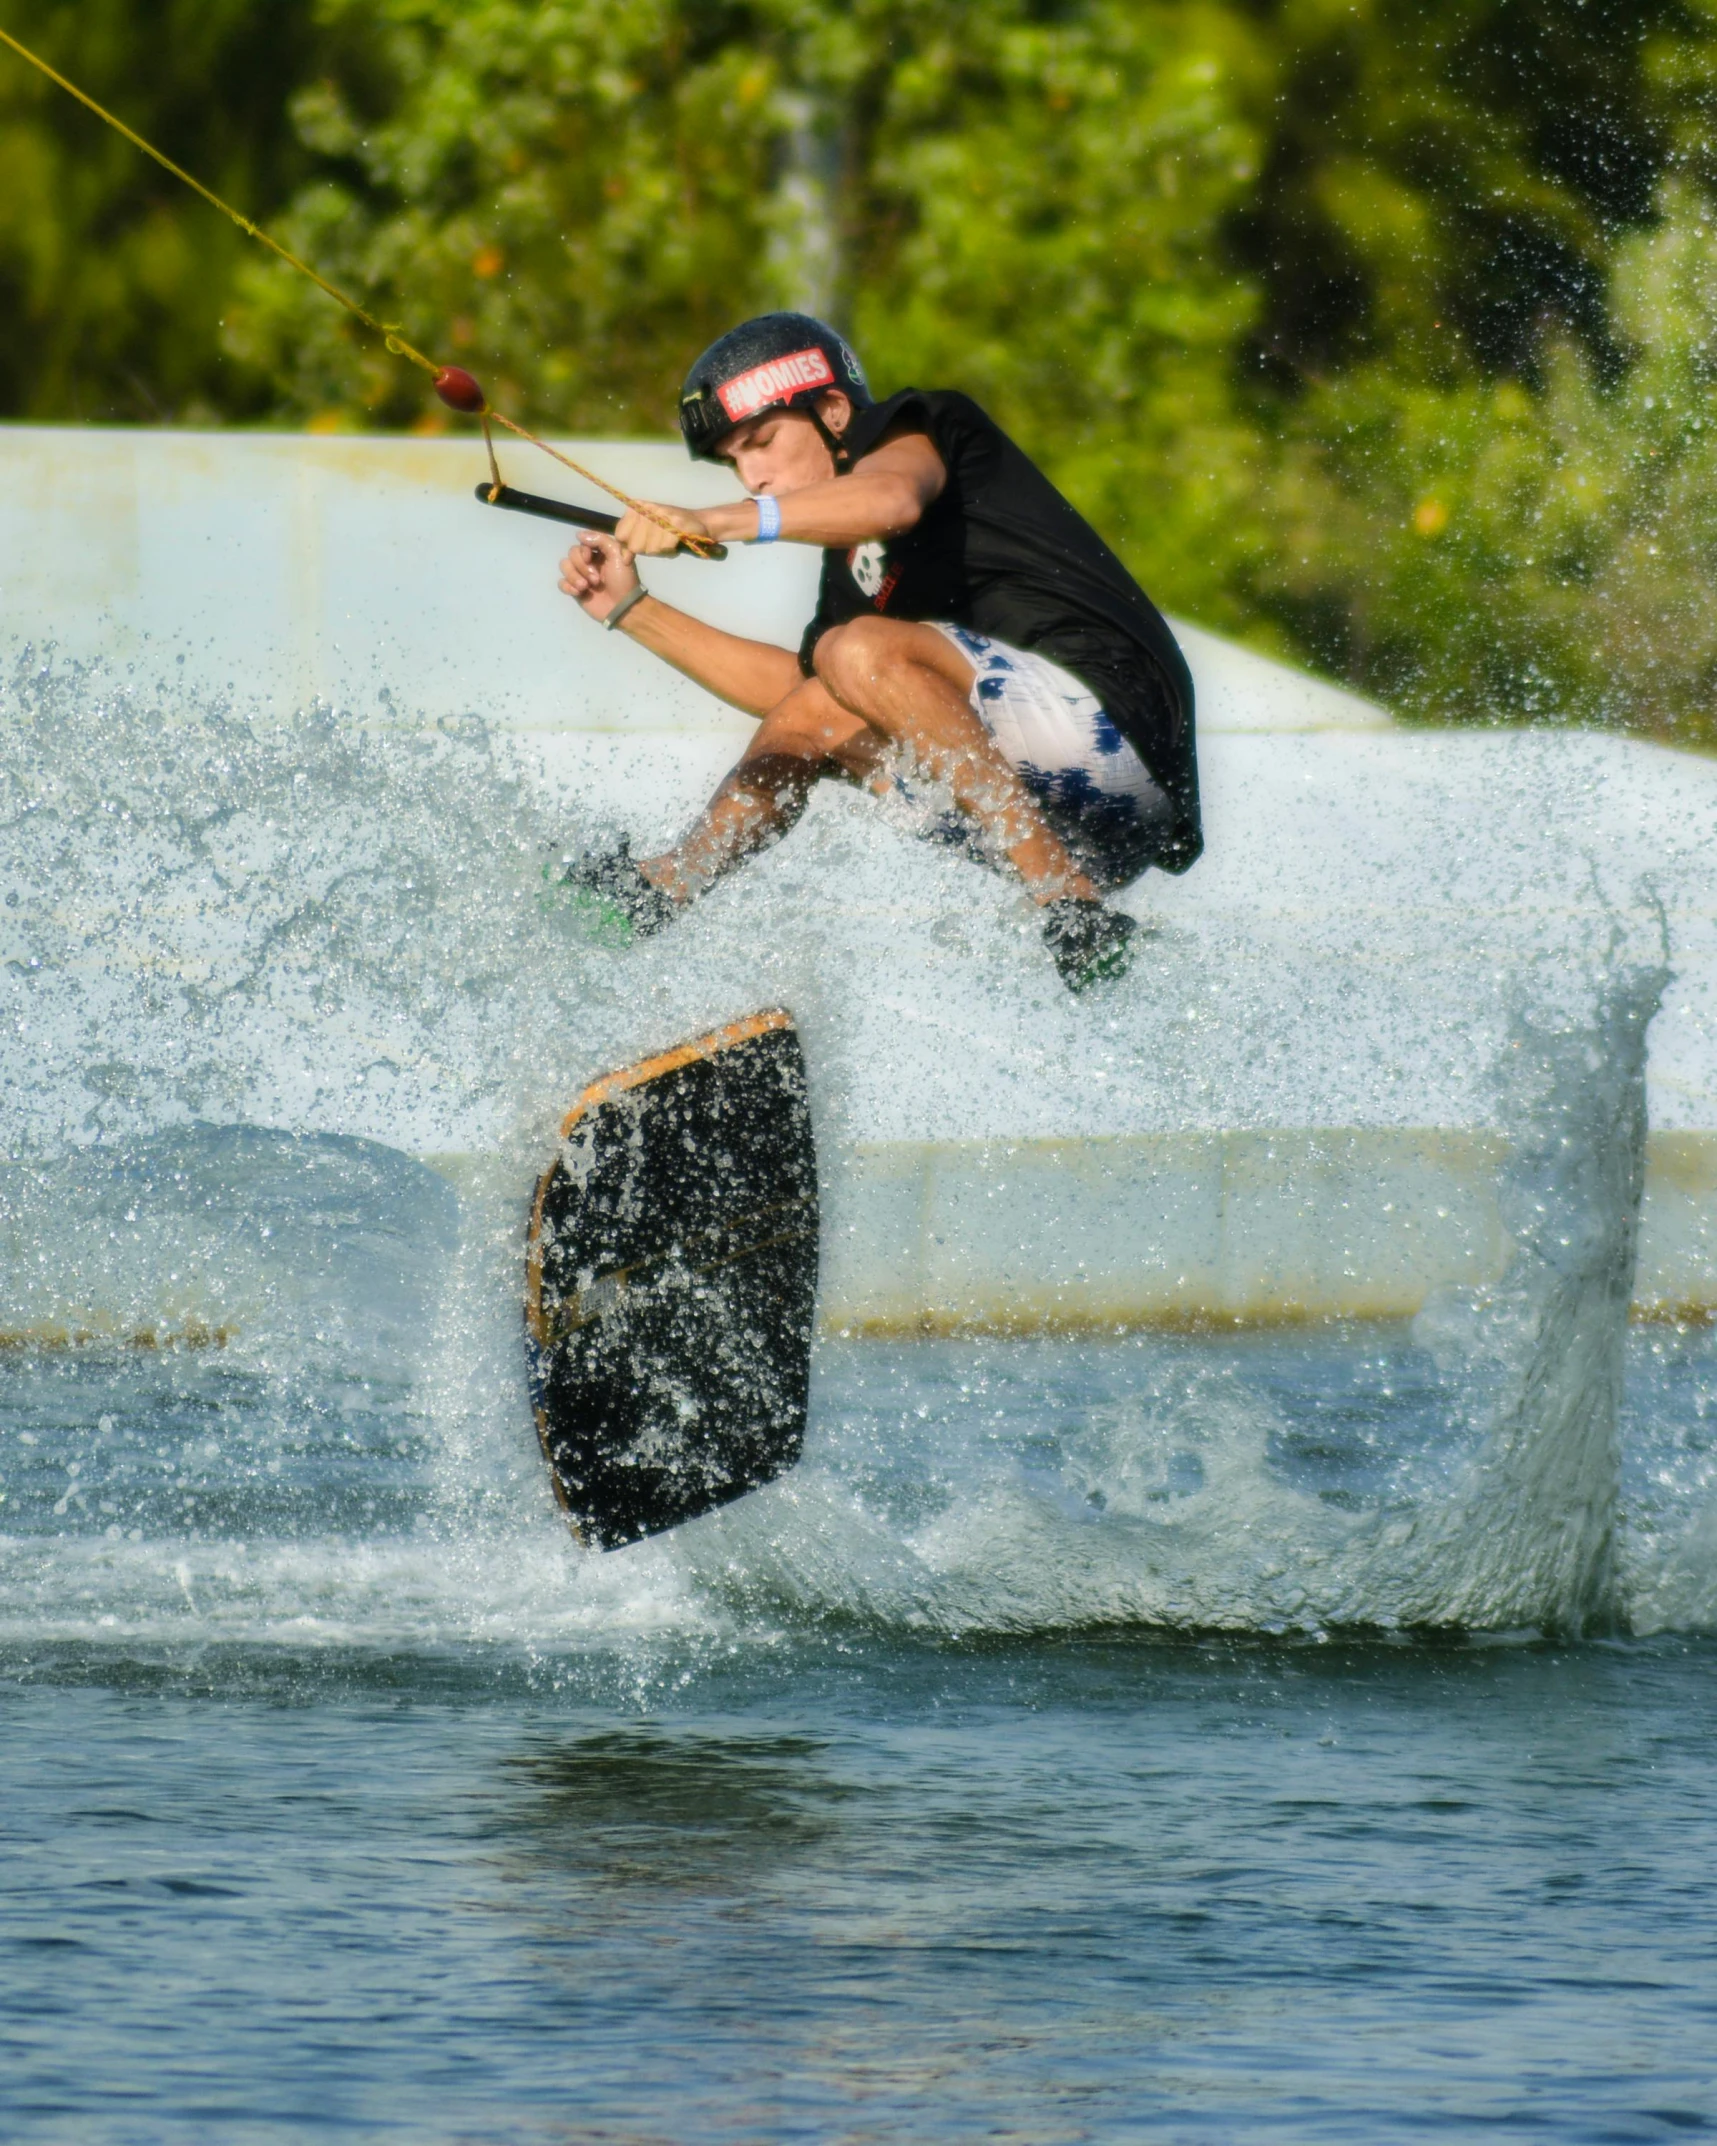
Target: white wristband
768, 519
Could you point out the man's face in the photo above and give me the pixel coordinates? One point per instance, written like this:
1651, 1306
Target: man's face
782, 451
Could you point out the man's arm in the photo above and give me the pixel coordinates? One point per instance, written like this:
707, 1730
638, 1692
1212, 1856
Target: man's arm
752, 676
885, 496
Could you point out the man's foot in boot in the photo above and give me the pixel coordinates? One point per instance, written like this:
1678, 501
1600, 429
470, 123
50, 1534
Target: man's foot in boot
1089, 943
611, 897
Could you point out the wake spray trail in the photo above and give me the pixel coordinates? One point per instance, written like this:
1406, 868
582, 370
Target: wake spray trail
1529, 1538
306, 925
1515, 1529
336, 933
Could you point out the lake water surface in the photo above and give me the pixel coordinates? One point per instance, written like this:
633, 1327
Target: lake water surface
323, 1816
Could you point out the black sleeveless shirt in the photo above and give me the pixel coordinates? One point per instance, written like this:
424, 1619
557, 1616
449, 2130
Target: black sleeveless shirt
1001, 552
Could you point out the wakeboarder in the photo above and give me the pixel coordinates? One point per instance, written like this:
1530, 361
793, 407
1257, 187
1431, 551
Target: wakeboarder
972, 632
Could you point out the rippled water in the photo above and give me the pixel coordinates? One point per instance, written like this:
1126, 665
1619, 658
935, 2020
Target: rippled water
322, 1813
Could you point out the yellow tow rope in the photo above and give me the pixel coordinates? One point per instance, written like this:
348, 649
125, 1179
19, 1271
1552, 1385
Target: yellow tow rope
456, 387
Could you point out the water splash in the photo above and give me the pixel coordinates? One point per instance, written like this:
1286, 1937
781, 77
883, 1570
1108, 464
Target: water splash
1515, 1530
308, 925
212, 927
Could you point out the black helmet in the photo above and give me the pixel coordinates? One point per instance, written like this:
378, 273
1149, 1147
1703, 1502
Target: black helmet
774, 362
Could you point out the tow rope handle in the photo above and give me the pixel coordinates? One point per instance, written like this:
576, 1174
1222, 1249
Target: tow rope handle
556, 510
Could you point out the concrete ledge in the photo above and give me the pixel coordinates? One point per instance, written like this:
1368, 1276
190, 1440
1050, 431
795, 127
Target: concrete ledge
208, 1235
1208, 1229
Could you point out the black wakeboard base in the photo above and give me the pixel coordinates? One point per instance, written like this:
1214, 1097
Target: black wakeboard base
671, 1283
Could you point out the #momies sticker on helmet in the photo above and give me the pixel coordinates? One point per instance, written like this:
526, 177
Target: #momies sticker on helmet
749, 392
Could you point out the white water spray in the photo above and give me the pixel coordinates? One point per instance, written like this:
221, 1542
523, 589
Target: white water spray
215, 929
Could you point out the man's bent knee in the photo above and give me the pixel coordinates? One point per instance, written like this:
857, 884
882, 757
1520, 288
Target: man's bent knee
850, 658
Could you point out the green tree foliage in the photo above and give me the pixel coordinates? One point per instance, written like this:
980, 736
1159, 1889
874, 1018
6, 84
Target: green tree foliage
569, 197
574, 201
1491, 549
112, 276
1040, 196
1488, 401
1376, 329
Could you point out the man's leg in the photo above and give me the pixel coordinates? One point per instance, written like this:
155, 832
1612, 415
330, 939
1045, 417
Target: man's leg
910, 684
804, 737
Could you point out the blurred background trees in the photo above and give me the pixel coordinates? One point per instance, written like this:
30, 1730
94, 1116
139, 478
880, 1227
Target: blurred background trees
113, 278
1377, 331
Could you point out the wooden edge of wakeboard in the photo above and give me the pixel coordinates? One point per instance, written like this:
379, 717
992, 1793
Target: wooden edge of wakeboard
599, 1092
683, 1054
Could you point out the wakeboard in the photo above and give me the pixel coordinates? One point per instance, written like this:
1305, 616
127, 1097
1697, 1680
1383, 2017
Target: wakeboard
671, 1283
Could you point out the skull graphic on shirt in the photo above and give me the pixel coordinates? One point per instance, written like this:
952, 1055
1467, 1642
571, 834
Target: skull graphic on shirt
868, 563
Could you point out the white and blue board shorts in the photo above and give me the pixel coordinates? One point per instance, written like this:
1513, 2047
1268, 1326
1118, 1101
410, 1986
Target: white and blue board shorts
1094, 789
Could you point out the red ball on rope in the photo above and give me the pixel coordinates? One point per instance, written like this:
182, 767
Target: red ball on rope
460, 391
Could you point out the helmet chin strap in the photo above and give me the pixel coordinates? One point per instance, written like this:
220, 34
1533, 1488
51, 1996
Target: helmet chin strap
831, 440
